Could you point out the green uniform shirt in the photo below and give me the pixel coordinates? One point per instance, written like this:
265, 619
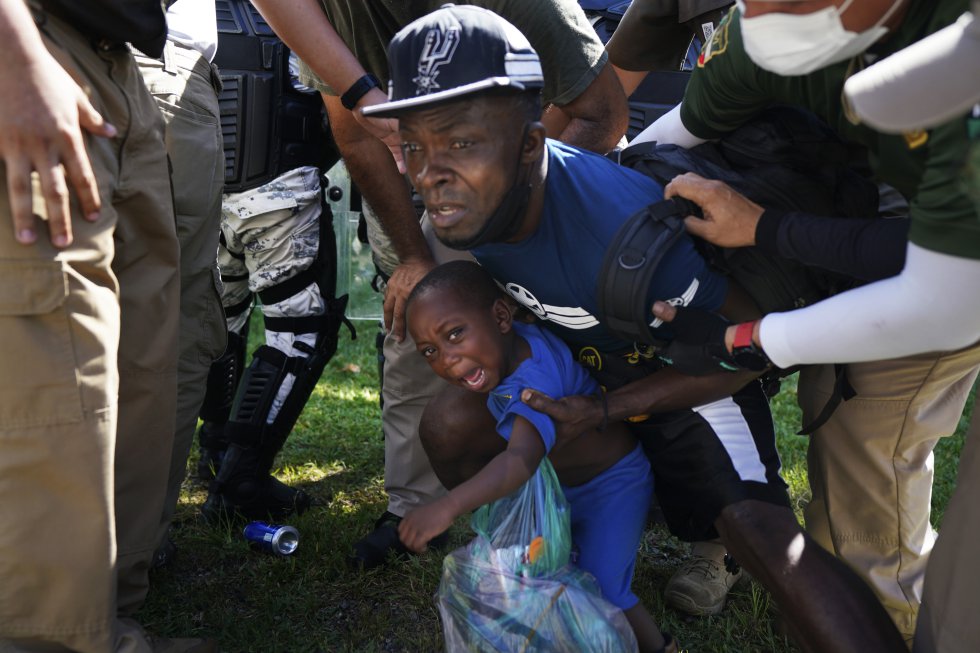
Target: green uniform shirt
571, 53
727, 89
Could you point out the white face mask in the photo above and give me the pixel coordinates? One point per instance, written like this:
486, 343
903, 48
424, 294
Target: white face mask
797, 44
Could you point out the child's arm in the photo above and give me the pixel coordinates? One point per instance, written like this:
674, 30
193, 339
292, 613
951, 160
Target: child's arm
505, 473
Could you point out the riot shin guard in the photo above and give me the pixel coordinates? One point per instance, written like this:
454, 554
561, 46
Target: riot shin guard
244, 484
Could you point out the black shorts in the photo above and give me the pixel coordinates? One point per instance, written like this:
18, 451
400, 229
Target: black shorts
710, 457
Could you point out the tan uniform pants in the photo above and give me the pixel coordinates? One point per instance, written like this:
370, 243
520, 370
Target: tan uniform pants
870, 467
948, 620
88, 348
184, 89
409, 384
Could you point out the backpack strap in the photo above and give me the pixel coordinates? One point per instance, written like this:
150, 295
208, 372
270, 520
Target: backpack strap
630, 262
843, 390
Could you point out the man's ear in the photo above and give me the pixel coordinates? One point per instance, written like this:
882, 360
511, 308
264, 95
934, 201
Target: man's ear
533, 143
503, 315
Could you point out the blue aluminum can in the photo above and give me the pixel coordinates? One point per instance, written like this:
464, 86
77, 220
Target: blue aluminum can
281, 540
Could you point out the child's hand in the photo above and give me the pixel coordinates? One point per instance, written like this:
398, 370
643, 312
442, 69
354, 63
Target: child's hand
422, 524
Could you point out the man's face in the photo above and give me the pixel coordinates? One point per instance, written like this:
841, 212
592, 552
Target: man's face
462, 343
462, 158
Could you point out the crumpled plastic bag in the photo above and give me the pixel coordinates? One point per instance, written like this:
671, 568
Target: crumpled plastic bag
513, 589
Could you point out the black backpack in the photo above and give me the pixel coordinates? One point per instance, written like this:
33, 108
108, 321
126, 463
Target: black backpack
785, 159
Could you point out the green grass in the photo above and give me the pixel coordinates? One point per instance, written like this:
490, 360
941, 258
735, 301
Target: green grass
312, 601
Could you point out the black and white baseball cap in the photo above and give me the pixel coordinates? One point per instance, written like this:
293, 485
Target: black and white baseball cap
455, 51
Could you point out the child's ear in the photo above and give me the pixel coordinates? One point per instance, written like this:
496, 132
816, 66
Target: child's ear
503, 315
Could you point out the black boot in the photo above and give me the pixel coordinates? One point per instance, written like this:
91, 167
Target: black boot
267, 499
243, 488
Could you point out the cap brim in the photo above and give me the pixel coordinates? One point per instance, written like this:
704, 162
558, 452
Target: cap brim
923, 85
394, 109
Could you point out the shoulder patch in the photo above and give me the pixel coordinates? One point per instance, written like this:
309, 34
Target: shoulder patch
718, 42
916, 138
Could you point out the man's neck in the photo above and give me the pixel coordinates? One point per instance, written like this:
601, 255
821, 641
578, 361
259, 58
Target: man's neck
535, 204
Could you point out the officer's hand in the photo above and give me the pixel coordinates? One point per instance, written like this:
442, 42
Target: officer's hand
701, 343
402, 280
573, 415
42, 115
730, 219
385, 129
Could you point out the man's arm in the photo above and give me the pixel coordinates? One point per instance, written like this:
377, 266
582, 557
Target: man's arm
505, 473
42, 114
386, 190
302, 25
584, 102
867, 249
863, 248
895, 317
367, 145
596, 119
667, 390
663, 391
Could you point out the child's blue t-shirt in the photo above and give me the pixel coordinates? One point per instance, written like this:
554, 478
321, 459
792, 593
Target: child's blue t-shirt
551, 370
609, 511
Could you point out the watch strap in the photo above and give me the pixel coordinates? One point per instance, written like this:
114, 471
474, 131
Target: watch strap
743, 335
358, 90
745, 353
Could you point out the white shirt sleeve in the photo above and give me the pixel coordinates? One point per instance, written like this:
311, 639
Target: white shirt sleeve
668, 129
932, 305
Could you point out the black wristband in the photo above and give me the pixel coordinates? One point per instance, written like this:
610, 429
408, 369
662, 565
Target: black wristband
358, 90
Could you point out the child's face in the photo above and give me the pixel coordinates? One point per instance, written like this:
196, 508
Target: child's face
464, 344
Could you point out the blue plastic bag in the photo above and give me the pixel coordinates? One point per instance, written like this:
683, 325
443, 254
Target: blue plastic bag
513, 588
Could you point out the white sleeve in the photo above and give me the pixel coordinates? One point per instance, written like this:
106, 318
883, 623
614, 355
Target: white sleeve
933, 305
668, 129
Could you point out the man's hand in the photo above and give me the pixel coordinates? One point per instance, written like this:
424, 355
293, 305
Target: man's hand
730, 219
424, 523
702, 341
384, 129
573, 415
42, 115
402, 280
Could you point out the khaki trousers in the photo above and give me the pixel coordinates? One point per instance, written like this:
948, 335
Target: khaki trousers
88, 349
184, 89
870, 467
409, 384
948, 619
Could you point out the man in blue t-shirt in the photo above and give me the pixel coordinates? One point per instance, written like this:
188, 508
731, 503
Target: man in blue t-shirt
539, 216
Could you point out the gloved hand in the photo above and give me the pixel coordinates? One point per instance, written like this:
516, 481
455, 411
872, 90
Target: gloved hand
698, 347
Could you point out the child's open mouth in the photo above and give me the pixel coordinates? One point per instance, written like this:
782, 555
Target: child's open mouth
474, 379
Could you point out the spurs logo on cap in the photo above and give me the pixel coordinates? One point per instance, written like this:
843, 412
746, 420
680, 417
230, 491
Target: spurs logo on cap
454, 52
438, 50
